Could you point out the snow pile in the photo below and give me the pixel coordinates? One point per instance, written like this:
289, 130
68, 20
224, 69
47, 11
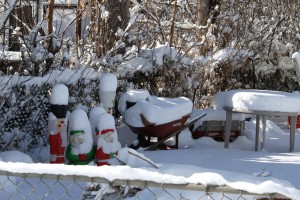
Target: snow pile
132, 96
107, 90
59, 95
263, 100
158, 110
108, 82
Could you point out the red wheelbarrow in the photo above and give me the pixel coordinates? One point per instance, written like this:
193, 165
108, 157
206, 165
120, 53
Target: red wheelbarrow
160, 117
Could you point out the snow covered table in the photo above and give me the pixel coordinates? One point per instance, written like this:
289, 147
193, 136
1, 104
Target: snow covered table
261, 103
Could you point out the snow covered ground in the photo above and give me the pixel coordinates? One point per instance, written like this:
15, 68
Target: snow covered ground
200, 161
240, 166
204, 161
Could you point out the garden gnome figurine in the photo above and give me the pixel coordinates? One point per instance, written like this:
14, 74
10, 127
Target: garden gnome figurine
80, 150
94, 118
107, 141
57, 123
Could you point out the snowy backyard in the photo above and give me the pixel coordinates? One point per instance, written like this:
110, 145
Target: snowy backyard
138, 100
196, 161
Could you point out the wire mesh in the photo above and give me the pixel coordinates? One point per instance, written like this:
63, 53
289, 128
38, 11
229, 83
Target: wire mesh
35, 186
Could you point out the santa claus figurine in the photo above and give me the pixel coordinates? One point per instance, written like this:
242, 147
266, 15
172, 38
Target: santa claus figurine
57, 123
107, 141
80, 150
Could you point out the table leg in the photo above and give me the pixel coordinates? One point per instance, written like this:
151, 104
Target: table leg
257, 132
263, 132
292, 132
227, 128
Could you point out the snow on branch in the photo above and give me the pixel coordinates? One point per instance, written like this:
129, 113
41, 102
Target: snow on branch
4, 16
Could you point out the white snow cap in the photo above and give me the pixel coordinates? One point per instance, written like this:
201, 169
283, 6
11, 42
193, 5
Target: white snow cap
59, 95
106, 121
264, 100
132, 95
158, 110
94, 117
108, 82
296, 58
79, 121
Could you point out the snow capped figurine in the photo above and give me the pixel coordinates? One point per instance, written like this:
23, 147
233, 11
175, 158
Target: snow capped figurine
107, 91
94, 117
57, 123
80, 150
107, 141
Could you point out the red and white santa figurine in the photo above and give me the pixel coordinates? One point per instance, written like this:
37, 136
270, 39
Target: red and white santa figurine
57, 123
107, 141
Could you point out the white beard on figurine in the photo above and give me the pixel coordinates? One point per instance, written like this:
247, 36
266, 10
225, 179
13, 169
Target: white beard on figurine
107, 141
80, 150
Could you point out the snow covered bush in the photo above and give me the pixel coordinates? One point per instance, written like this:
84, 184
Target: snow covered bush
25, 108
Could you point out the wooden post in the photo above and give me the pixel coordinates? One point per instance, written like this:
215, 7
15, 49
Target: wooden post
257, 132
227, 128
292, 132
263, 132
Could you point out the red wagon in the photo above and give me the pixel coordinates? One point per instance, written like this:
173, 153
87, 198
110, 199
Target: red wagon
215, 129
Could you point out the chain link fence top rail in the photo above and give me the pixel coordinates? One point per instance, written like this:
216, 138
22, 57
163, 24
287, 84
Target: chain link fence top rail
49, 181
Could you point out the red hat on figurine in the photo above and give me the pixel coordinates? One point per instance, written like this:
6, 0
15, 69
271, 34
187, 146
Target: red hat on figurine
105, 131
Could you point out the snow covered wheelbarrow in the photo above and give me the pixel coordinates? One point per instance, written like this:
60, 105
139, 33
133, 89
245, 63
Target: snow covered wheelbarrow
158, 117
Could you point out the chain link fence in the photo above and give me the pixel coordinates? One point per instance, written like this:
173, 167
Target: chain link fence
18, 185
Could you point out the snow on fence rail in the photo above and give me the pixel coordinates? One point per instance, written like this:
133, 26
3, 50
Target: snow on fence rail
62, 184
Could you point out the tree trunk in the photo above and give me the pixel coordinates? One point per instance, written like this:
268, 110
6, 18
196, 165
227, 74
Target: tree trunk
204, 9
202, 16
78, 25
173, 23
109, 22
50, 10
203, 12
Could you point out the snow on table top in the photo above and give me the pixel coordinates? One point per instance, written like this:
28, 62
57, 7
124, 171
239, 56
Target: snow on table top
158, 110
258, 100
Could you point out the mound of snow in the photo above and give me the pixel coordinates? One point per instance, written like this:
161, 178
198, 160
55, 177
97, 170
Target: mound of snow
158, 110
